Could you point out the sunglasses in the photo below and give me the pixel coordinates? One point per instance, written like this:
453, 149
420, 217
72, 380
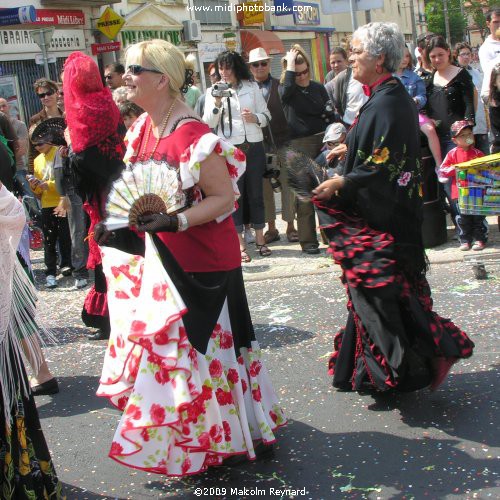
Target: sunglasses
212, 75
333, 144
45, 94
263, 64
300, 73
137, 69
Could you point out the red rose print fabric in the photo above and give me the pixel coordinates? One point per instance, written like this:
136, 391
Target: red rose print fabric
182, 410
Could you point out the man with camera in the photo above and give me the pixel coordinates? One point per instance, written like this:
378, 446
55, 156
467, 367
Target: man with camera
275, 136
308, 112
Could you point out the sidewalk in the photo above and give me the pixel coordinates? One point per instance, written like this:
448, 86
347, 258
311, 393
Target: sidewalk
287, 259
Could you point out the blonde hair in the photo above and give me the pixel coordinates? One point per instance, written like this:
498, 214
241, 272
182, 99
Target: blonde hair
162, 56
301, 59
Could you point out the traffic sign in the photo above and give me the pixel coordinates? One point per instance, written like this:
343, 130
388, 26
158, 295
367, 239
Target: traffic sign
110, 23
39, 59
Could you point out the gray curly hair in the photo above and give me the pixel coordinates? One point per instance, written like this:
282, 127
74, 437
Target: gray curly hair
382, 38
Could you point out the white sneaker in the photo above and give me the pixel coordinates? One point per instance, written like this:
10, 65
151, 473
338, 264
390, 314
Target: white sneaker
50, 282
81, 283
249, 236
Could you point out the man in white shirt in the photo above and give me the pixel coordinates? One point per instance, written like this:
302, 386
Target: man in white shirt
348, 96
491, 46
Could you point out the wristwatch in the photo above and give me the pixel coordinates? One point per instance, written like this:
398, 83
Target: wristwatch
258, 121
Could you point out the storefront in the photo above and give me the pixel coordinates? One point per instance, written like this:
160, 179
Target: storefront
301, 24
21, 58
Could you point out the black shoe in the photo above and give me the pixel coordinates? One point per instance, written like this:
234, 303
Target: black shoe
311, 250
263, 450
99, 335
49, 387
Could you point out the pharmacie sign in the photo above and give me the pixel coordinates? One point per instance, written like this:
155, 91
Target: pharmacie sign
306, 13
110, 23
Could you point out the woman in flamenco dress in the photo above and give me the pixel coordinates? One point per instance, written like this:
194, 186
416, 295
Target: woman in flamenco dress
26, 468
372, 215
182, 361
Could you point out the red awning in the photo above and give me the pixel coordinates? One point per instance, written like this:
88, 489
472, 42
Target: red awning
253, 39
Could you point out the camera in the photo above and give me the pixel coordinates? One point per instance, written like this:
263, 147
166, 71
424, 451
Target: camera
273, 172
328, 111
221, 90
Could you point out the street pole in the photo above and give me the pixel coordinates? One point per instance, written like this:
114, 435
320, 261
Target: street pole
413, 23
352, 5
43, 46
446, 21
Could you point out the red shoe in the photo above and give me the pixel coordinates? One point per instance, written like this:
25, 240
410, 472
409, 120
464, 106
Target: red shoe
441, 368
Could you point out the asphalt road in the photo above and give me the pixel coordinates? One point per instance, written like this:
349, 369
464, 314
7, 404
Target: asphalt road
336, 445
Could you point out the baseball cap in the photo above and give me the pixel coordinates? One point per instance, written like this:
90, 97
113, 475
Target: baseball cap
458, 126
333, 132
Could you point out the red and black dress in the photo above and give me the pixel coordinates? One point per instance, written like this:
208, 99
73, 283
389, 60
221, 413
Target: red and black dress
392, 338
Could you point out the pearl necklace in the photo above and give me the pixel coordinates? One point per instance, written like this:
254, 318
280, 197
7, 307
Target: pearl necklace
163, 126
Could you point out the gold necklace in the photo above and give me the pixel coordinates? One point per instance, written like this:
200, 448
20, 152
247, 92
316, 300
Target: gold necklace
161, 132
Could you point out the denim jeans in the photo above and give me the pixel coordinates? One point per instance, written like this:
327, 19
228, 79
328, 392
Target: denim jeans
78, 232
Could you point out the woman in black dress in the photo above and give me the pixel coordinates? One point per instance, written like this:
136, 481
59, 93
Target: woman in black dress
372, 215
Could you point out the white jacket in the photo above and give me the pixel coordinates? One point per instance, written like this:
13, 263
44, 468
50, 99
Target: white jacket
246, 95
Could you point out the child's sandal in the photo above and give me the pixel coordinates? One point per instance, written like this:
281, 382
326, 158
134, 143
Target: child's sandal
245, 258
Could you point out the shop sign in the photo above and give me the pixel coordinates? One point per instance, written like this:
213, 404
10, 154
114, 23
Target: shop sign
110, 23
250, 13
20, 41
60, 17
283, 7
209, 51
308, 14
100, 48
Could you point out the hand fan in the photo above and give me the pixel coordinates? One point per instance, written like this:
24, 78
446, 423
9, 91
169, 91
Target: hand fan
304, 174
142, 189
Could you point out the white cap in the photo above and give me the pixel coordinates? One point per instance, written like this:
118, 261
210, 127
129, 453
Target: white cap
333, 132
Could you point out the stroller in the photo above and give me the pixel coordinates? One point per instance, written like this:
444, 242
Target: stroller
33, 220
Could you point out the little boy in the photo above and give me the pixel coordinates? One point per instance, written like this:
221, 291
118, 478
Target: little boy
55, 228
129, 112
469, 227
335, 136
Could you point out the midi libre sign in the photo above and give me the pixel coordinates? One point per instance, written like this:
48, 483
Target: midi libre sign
110, 23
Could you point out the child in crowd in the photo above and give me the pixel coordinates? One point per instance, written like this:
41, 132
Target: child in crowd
469, 227
129, 112
415, 86
335, 136
46, 137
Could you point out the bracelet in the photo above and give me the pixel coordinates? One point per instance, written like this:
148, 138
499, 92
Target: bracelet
183, 222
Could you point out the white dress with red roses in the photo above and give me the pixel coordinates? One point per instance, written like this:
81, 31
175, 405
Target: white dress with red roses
182, 410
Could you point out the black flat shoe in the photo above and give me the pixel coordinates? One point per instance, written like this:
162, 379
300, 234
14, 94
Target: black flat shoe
99, 335
49, 387
311, 250
263, 450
